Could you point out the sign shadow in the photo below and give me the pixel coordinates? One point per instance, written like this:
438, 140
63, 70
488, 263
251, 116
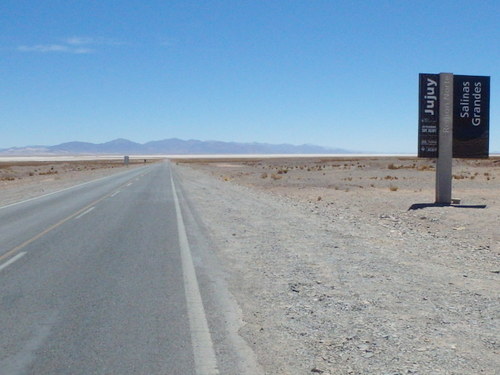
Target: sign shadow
419, 206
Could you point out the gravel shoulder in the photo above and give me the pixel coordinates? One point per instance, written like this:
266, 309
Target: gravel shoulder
335, 274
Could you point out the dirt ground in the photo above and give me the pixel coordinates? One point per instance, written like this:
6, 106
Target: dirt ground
373, 186
345, 266
26, 179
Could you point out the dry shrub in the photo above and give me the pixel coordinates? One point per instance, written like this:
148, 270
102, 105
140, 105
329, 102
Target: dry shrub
276, 176
393, 188
263, 175
402, 166
425, 168
47, 173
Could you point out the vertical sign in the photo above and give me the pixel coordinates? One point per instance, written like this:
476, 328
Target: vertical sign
453, 121
471, 116
428, 115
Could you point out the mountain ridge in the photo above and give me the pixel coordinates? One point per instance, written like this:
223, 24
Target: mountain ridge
170, 146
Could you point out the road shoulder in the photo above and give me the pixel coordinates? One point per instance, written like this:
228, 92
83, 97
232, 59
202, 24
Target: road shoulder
345, 292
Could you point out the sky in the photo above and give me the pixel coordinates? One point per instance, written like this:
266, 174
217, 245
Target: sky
340, 74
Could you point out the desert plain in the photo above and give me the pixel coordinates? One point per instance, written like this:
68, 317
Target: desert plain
340, 265
345, 265
25, 178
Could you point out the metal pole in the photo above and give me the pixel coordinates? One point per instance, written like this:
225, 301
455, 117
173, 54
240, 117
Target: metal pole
445, 151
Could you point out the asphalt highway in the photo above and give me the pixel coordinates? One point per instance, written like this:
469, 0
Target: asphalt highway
99, 279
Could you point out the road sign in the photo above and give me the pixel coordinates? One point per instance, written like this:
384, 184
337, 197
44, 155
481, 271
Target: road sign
471, 116
453, 121
428, 115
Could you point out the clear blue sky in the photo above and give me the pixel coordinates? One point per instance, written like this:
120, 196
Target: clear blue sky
332, 73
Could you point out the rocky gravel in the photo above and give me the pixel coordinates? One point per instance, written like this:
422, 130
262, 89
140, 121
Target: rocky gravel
334, 278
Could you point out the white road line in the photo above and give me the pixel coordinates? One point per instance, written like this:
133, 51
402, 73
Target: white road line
60, 191
12, 260
203, 348
115, 193
84, 213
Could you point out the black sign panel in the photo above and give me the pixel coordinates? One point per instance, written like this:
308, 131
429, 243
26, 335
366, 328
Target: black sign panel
428, 115
471, 116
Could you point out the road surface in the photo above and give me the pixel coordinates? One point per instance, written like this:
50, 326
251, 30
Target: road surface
99, 279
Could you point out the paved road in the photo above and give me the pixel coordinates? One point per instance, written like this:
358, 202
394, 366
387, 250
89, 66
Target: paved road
99, 279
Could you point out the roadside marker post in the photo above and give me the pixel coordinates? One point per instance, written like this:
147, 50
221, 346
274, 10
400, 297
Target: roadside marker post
445, 152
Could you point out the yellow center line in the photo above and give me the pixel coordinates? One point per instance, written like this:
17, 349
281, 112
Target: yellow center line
13, 251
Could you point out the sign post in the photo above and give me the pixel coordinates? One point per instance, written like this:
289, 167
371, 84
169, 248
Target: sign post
445, 152
453, 122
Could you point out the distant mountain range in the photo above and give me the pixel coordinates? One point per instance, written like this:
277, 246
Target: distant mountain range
171, 146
